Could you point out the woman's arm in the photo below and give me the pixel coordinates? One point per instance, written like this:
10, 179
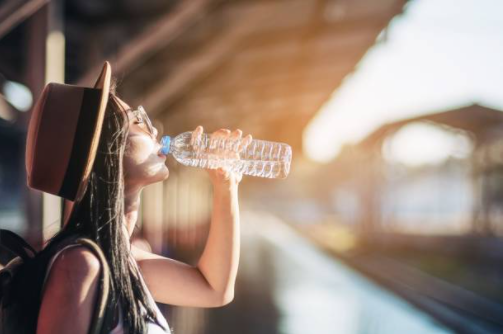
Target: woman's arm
220, 258
211, 282
70, 293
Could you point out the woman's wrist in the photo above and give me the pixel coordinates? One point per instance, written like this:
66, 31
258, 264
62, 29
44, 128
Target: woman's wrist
225, 188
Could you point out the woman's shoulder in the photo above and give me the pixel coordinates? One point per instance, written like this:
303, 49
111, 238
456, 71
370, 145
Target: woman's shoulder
72, 244
71, 288
72, 254
78, 257
76, 263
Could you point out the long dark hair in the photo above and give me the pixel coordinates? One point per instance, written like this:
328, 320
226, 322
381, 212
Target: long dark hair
99, 216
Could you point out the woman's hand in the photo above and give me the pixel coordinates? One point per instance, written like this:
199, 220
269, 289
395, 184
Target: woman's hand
223, 176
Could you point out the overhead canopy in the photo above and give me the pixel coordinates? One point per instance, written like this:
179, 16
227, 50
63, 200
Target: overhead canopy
263, 66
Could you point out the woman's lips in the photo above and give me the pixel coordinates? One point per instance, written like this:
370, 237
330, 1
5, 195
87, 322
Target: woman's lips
159, 151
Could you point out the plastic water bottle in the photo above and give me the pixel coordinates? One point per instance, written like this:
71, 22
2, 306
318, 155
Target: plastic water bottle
259, 158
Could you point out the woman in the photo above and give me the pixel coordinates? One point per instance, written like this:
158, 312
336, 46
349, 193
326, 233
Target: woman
128, 159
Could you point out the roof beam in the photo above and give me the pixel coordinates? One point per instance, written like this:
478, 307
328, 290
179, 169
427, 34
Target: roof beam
205, 61
10, 18
167, 28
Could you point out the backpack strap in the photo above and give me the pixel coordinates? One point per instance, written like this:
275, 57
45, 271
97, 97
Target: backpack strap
100, 309
16, 244
7, 273
102, 316
103, 311
22, 252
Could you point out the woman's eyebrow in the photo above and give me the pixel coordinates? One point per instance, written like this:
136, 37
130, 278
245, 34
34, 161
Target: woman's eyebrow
131, 110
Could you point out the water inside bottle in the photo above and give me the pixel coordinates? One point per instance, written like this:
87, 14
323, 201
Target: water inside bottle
259, 158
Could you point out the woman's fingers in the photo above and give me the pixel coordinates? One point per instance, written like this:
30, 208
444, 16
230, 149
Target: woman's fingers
221, 133
196, 134
234, 140
245, 142
216, 138
236, 134
248, 140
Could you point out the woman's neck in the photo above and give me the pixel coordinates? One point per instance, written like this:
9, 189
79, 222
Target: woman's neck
131, 207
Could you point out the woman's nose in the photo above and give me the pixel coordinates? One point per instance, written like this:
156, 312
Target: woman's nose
155, 133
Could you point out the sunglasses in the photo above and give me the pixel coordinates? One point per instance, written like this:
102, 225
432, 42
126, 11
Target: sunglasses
141, 116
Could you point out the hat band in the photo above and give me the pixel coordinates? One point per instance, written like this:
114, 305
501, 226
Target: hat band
82, 140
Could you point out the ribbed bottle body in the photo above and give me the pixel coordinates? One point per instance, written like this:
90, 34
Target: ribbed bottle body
260, 158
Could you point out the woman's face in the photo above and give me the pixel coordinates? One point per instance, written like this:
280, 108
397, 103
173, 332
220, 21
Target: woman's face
143, 162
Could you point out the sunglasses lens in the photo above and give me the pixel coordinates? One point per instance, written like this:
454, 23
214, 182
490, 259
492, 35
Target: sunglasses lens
147, 121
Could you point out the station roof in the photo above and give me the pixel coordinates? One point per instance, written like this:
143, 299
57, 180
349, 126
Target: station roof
265, 67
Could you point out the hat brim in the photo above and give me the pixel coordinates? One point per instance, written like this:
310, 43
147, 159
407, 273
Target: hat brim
103, 83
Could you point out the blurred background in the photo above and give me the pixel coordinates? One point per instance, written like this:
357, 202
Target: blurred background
391, 218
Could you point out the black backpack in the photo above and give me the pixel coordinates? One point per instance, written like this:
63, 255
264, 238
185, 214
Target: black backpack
21, 283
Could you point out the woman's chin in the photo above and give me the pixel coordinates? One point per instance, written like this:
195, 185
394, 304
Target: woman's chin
155, 172
159, 177
166, 172
161, 174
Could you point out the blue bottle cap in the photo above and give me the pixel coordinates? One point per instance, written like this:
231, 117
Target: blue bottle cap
165, 142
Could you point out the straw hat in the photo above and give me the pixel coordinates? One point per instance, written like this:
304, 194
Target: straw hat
63, 136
